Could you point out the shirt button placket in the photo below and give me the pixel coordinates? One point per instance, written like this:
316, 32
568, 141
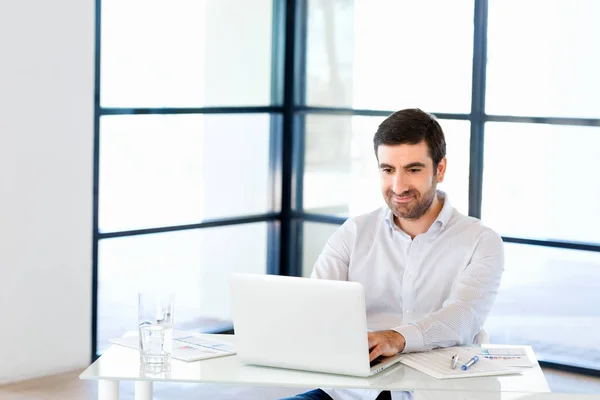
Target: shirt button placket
407, 283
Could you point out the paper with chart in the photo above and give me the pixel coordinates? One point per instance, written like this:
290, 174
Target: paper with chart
507, 356
186, 346
437, 363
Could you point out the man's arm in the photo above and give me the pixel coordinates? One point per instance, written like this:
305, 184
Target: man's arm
463, 314
334, 260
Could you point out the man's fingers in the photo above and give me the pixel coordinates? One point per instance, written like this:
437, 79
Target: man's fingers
375, 352
385, 342
373, 340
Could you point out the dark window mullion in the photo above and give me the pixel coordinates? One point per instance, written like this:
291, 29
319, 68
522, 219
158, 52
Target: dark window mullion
288, 246
96, 177
478, 108
293, 137
368, 112
299, 134
191, 110
213, 223
274, 249
561, 244
544, 120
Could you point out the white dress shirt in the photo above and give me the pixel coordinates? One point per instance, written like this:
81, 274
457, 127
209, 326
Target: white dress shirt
436, 289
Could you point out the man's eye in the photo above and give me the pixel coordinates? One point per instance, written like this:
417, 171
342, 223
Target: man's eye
387, 170
415, 170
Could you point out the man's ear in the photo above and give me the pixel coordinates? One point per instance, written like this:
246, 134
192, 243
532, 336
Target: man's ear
441, 170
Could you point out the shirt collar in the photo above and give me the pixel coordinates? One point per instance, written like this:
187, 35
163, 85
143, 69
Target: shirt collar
446, 212
440, 222
389, 218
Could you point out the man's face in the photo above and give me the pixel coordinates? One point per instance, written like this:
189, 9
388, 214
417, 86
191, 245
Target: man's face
408, 178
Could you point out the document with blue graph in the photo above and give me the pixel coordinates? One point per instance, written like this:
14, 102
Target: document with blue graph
438, 363
187, 346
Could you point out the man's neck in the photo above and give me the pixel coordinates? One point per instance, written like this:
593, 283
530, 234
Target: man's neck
419, 226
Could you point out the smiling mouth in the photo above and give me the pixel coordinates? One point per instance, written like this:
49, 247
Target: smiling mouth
402, 200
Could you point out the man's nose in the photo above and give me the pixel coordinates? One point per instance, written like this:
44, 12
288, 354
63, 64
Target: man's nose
400, 185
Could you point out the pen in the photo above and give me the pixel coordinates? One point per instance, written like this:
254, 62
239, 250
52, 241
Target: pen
469, 363
454, 361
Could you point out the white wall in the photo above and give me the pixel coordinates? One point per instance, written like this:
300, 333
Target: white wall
46, 149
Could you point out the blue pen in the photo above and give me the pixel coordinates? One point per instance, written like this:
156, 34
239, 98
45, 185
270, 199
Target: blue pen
469, 363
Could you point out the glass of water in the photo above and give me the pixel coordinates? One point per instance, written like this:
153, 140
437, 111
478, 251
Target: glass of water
155, 321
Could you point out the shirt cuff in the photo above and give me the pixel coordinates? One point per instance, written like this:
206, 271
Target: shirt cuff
413, 336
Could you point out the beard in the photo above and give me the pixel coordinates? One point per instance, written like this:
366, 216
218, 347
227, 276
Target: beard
417, 207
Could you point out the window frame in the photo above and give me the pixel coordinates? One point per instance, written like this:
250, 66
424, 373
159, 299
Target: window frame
287, 147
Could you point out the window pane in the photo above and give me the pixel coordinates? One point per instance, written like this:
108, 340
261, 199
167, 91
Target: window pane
314, 237
549, 298
539, 181
196, 263
541, 59
161, 170
341, 176
389, 54
186, 53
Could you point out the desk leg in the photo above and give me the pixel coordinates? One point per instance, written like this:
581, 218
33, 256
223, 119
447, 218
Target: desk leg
143, 390
108, 390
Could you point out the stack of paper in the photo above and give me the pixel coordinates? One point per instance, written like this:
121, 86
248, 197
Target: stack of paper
186, 346
438, 363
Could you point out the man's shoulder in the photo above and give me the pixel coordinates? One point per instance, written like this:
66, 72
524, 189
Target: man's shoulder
471, 226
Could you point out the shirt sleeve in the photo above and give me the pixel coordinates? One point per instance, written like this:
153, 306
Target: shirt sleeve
463, 314
334, 260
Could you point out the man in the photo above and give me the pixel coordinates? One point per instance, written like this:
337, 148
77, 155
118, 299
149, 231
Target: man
430, 273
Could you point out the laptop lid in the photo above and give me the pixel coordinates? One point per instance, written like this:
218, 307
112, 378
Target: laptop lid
300, 323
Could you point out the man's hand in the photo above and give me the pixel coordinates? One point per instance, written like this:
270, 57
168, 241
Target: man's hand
385, 343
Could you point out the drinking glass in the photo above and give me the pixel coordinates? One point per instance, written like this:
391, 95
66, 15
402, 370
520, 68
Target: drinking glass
155, 321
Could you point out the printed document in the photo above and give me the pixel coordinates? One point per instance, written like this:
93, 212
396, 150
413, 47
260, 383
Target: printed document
187, 346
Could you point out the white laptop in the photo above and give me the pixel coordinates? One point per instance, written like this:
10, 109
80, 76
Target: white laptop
301, 323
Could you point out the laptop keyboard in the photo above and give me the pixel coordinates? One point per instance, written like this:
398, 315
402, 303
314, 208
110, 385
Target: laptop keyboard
376, 361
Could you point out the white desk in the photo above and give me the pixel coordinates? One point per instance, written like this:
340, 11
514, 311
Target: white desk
121, 363
445, 395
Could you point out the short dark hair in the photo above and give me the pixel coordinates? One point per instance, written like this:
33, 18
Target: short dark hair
412, 126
